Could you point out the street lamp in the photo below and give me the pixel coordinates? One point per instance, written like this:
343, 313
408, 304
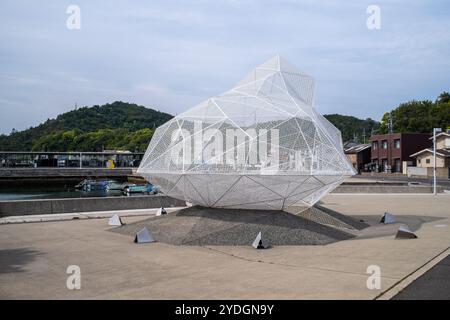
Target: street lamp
435, 130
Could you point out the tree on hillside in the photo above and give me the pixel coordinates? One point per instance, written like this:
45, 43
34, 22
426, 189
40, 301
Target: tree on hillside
353, 128
444, 97
419, 116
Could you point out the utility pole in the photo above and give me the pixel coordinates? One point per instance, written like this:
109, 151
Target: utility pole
435, 130
364, 135
391, 129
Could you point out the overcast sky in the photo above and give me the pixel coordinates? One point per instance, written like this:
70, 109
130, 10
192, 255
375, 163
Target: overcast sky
171, 55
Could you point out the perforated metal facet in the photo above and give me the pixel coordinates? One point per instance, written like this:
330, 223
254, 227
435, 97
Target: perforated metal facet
260, 145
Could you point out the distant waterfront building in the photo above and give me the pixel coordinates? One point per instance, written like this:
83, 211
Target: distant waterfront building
42, 159
392, 152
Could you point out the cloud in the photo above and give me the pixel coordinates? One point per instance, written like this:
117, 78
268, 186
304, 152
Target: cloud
171, 55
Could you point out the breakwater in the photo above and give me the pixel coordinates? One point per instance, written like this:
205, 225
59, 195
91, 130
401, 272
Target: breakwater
18, 177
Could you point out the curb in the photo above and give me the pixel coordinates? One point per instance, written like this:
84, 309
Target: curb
406, 281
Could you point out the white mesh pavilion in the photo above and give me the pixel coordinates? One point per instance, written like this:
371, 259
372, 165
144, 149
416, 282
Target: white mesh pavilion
260, 145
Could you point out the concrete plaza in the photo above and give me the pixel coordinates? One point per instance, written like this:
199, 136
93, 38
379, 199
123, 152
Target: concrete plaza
34, 258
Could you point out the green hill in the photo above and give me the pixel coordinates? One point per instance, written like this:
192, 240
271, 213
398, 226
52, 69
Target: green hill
352, 127
122, 126
127, 126
118, 125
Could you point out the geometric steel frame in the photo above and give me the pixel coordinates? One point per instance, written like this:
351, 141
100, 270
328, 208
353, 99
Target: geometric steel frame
260, 145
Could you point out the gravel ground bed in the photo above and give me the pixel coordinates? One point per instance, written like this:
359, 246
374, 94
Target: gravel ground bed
207, 226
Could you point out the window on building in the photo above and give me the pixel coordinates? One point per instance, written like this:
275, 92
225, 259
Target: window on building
397, 143
428, 161
418, 161
384, 144
375, 145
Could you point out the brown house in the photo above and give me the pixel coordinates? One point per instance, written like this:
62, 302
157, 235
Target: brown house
358, 154
389, 151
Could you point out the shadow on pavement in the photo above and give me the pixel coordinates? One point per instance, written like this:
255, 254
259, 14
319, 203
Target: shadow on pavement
13, 260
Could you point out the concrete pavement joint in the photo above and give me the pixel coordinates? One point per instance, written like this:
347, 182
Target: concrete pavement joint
290, 265
408, 279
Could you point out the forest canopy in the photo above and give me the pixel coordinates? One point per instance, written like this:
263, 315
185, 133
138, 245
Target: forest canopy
127, 126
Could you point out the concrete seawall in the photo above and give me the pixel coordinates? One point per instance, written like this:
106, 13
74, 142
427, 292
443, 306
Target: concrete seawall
49, 206
18, 177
